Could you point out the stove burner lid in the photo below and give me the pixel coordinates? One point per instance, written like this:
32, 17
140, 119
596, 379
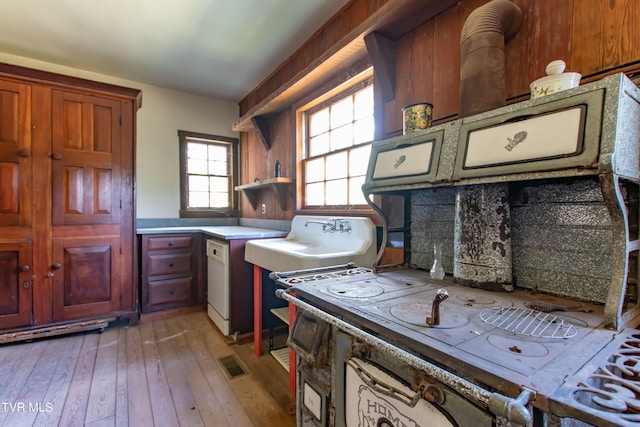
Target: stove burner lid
355, 290
416, 313
528, 322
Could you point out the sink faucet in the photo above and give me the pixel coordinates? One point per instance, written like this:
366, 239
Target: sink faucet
434, 319
326, 225
341, 225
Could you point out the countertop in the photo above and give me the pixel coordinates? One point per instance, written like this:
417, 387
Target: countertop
219, 232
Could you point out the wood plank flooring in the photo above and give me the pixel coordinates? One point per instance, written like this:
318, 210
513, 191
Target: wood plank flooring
160, 373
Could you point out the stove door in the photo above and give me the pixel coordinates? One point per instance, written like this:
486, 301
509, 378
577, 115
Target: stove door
374, 398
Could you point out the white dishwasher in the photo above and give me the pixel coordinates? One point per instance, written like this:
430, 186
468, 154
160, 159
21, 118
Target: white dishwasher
218, 284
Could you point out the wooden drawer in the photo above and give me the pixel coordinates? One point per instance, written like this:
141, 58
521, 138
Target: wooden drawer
162, 243
172, 291
175, 263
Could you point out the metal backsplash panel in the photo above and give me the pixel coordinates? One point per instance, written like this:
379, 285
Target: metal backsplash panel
561, 235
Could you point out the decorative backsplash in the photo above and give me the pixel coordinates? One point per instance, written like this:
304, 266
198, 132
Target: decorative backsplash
561, 235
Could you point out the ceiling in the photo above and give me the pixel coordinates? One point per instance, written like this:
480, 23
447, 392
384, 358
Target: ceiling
217, 48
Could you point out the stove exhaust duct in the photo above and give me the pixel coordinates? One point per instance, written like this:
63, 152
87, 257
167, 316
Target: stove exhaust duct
482, 70
482, 229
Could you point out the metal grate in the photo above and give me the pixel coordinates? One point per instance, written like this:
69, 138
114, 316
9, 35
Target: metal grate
231, 366
528, 322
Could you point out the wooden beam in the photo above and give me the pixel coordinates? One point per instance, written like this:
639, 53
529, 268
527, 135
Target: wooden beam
382, 52
339, 43
262, 127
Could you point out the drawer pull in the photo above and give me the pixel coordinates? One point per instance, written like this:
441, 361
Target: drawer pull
171, 292
171, 265
170, 244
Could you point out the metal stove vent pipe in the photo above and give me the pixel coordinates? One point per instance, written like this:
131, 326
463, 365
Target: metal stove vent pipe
482, 227
482, 70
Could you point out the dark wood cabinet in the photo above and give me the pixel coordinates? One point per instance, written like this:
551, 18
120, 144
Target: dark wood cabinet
66, 199
171, 271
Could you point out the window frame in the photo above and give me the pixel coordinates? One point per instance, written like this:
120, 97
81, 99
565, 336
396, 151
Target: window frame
232, 210
316, 102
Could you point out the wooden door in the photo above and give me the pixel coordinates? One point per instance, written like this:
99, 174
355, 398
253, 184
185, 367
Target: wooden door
86, 159
15, 154
15, 285
15, 205
86, 278
86, 205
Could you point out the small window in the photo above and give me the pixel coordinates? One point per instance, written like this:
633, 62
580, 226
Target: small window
208, 174
337, 144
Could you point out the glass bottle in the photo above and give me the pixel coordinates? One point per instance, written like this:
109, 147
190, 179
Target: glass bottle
437, 272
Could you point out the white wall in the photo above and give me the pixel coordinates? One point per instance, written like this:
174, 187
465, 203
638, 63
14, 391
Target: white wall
163, 113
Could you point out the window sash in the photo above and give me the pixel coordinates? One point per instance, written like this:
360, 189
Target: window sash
208, 174
320, 183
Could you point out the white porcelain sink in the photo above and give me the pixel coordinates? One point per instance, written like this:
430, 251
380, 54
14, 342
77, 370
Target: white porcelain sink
316, 241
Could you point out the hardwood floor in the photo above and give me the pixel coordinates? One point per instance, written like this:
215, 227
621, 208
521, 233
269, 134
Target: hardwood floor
161, 373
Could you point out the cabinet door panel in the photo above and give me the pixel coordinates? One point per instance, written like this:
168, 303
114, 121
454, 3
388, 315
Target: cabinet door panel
86, 159
15, 285
15, 154
86, 282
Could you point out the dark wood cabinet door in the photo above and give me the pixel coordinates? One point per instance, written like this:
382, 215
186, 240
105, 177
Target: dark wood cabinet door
15, 154
15, 285
86, 150
86, 278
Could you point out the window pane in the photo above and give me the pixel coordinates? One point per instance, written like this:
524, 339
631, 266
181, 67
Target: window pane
319, 122
196, 151
356, 197
359, 160
363, 103
330, 138
342, 112
337, 166
219, 200
337, 192
198, 199
363, 130
197, 166
218, 168
315, 194
319, 145
341, 137
315, 170
198, 183
218, 152
219, 184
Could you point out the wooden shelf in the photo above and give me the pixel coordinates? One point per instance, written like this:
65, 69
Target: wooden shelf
281, 313
282, 356
278, 185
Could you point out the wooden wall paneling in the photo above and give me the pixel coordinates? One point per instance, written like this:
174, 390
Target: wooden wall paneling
414, 74
545, 36
516, 56
605, 35
446, 63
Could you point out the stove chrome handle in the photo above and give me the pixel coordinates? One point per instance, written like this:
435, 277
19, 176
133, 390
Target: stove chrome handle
513, 410
382, 388
275, 275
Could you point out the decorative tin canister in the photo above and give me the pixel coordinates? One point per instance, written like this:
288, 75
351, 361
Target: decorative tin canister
416, 117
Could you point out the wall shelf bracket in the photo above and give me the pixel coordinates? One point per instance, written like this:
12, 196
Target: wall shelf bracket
278, 186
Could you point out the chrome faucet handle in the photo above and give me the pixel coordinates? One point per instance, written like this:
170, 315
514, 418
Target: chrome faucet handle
434, 319
343, 226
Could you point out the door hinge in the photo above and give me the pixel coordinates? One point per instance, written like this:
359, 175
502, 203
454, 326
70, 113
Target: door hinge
120, 251
120, 203
120, 120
